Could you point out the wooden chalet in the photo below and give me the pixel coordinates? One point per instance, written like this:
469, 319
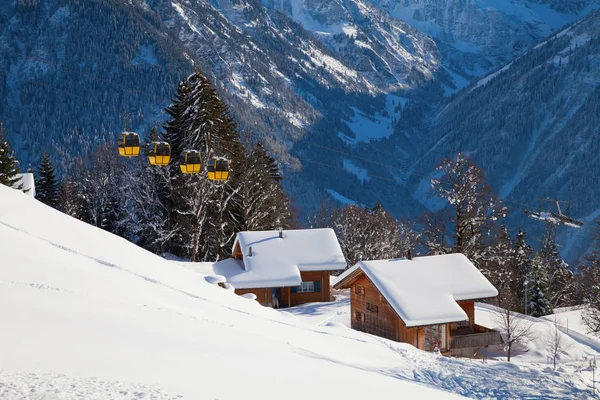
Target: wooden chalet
283, 268
428, 302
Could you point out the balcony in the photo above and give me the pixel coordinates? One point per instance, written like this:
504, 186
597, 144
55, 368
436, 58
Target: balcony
480, 337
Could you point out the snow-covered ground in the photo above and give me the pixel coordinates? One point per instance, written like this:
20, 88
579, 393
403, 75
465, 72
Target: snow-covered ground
529, 375
87, 315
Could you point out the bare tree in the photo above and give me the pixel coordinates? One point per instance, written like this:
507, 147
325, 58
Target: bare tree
473, 205
516, 329
556, 343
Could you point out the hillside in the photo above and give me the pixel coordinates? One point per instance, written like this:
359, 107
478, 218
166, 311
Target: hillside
88, 314
85, 313
334, 73
533, 125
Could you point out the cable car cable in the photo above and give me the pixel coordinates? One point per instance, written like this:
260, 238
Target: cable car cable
527, 207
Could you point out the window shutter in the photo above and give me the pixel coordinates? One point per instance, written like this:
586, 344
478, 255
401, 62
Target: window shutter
294, 289
317, 286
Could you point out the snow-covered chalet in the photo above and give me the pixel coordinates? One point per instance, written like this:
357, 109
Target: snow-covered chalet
283, 268
428, 302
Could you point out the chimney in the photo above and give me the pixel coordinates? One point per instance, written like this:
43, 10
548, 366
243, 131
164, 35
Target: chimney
409, 254
281, 234
249, 251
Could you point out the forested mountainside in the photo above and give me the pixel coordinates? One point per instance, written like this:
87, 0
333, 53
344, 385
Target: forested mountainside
533, 125
278, 78
364, 79
64, 67
473, 36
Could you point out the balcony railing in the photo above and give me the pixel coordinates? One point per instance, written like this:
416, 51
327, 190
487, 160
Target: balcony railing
475, 340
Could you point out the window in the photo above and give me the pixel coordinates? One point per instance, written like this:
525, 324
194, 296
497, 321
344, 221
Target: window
435, 337
306, 287
359, 290
359, 316
372, 307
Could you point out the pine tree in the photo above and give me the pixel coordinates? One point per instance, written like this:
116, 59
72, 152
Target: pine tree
500, 267
47, 188
538, 303
561, 282
68, 198
264, 204
206, 215
523, 264
9, 167
589, 285
99, 191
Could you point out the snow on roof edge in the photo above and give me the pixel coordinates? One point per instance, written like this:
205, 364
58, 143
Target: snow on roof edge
453, 311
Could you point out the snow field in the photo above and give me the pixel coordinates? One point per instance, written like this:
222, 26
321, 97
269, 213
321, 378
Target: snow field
529, 376
84, 312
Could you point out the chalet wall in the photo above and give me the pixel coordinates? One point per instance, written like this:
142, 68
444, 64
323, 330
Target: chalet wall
237, 252
288, 297
323, 294
463, 328
263, 295
370, 312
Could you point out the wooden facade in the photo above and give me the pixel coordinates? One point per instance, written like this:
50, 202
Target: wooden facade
371, 313
291, 296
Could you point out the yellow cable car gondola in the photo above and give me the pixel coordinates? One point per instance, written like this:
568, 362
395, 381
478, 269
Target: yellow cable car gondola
129, 144
218, 169
159, 153
190, 162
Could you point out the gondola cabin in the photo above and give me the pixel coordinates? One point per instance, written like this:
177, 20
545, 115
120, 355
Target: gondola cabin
190, 162
159, 153
129, 144
218, 169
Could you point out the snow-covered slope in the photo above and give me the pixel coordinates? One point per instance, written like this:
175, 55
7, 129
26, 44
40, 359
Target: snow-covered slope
85, 313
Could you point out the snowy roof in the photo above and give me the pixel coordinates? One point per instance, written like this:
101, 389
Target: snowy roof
425, 290
28, 183
277, 262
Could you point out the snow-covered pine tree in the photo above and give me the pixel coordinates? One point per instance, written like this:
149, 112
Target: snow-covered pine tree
589, 285
523, 264
475, 208
264, 204
47, 188
100, 191
499, 266
538, 303
148, 194
68, 197
561, 282
206, 215
9, 166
